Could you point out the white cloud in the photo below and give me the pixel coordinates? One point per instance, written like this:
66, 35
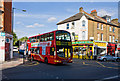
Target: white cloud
35, 25
52, 19
103, 12
26, 15
19, 23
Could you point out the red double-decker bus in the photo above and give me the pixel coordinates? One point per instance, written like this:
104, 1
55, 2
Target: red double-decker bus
53, 47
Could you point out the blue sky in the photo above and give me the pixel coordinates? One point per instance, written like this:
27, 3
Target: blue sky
42, 16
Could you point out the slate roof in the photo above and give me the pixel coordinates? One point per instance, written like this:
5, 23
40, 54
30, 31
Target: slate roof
88, 16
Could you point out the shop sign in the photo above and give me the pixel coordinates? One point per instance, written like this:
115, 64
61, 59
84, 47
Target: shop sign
83, 42
2, 34
101, 44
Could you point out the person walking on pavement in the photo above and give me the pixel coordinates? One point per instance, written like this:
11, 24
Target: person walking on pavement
29, 54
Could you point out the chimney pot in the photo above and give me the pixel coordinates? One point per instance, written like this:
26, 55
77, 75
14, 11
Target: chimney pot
94, 13
81, 9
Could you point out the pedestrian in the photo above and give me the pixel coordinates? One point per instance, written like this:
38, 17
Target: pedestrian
29, 54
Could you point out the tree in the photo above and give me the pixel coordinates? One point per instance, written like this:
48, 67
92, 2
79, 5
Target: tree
15, 39
23, 39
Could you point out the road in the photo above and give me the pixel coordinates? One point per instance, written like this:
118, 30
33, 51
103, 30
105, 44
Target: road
79, 69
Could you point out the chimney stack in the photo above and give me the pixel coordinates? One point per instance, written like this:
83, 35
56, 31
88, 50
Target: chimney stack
81, 9
115, 21
94, 13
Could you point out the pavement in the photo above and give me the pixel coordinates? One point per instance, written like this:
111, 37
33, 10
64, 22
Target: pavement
15, 61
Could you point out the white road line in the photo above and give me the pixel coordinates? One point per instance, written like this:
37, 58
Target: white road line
108, 78
111, 77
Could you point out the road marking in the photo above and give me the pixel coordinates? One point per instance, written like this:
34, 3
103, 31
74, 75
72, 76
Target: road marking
33, 64
100, 64
115, 64
106, 66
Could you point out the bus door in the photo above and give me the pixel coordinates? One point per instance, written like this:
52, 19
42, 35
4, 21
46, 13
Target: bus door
67, 52
51, 51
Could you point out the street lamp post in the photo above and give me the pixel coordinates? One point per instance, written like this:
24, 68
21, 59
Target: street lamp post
13, 16
13, 20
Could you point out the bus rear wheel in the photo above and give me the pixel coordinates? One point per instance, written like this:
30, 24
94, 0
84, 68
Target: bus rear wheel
46, 60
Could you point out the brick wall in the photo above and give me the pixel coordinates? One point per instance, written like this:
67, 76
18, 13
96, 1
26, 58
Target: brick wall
93, 31
8, 17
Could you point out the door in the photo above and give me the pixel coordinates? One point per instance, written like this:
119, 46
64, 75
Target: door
7, 51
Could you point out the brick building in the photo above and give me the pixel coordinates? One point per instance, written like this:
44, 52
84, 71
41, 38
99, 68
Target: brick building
6, 37
85, 27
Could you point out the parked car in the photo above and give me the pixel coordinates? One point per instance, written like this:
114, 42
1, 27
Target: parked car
21, 51
15, 49
108, 58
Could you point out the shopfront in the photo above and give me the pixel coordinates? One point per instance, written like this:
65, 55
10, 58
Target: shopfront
100, 47
83, 49
118, 50
111, 48
6, 46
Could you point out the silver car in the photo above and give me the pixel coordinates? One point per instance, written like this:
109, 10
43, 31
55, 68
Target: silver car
108, 58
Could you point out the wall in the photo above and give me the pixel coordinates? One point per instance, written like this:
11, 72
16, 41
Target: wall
77, 28
93, 31
8, 17
2, 48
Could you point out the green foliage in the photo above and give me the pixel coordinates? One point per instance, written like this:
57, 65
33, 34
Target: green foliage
23, 39
15, 39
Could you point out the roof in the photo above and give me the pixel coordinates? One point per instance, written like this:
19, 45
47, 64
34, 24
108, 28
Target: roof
88, 16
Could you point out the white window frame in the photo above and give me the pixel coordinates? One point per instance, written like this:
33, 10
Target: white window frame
110, 28
98, 24
83, 35
113, 39
98, 36
101, 36
110, 38
83, 23
68, 26
101, 26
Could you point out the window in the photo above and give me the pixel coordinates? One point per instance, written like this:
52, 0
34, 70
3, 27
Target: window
83, 35
72, 25
113, 29
110, 38
52, 49
101, 36
33, 39
98, 36
97, 25
101, 26
113, 38
83, 23
42, 38
67, 26
110, 28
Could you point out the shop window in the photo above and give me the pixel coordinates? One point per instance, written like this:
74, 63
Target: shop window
90, 48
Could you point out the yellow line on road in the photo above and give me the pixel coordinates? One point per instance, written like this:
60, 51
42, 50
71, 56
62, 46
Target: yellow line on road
106, 66
100, 64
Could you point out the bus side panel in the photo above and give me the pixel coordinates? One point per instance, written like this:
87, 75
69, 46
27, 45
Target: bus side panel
41, 58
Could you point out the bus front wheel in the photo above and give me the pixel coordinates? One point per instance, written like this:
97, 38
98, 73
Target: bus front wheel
46, 60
